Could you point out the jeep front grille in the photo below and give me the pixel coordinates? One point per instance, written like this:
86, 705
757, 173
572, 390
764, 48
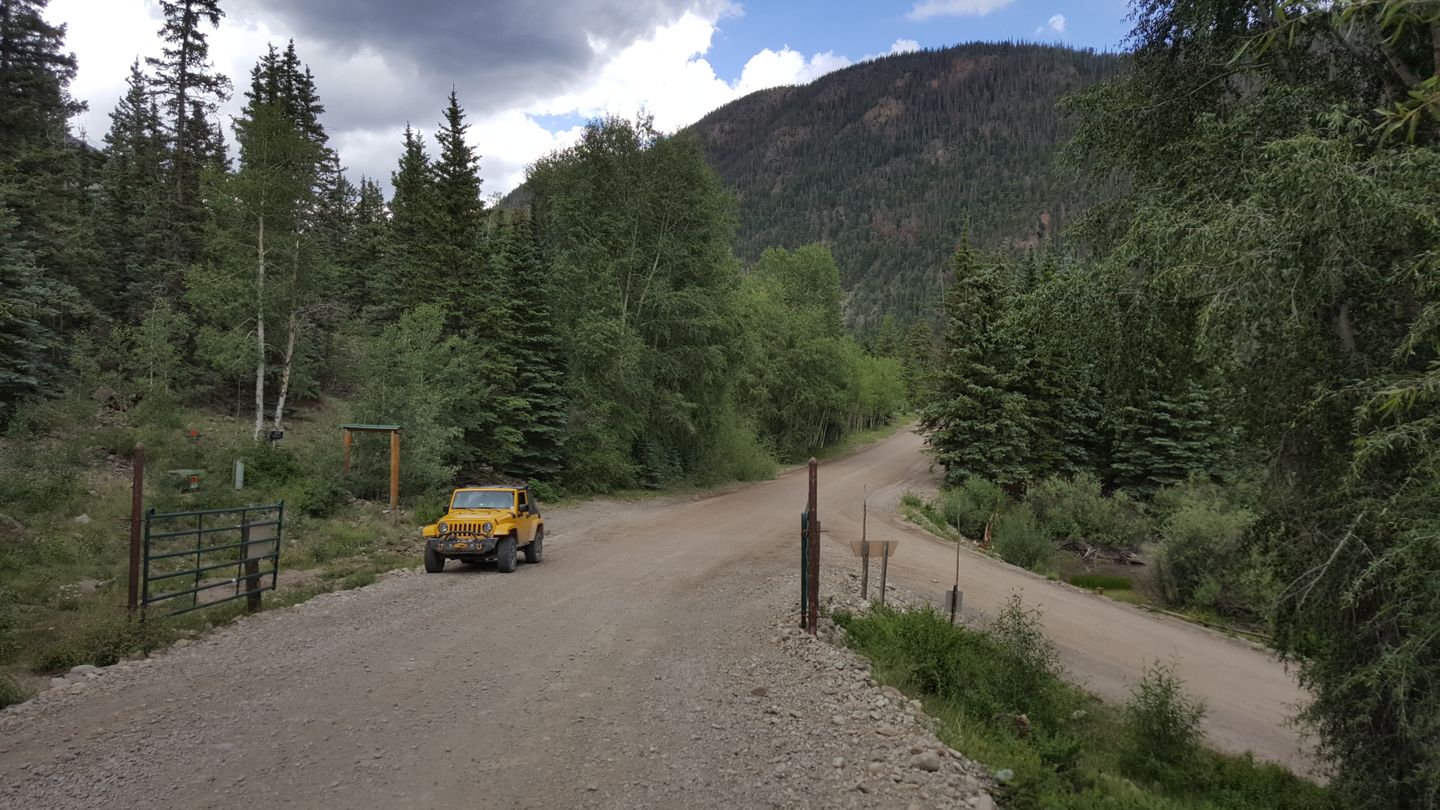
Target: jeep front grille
474, 527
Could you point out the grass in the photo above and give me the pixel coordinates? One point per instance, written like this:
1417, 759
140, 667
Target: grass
999, 698
1108, 582
63, 582
927, 516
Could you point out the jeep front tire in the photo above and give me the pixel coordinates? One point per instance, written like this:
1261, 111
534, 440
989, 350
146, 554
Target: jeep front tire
505, 554
434, 563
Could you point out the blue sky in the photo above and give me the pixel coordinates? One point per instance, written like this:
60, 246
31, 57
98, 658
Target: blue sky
531, 74
857, 27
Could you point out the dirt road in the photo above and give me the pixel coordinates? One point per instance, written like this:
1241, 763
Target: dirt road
639, 665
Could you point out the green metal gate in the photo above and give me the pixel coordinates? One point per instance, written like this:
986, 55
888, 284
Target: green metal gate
198, 559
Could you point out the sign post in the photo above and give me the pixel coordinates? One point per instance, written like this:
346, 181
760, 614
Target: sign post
864, 547
812, 573
955, 595
137, 496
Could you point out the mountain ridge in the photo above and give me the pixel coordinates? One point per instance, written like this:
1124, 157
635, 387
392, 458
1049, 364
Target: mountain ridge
888, 161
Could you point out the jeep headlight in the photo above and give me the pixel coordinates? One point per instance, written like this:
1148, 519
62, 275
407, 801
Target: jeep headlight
443, 528
487, 527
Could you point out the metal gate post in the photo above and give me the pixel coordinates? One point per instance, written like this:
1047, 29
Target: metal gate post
884, 569
813, 558
804, 568
137, 496
864, 548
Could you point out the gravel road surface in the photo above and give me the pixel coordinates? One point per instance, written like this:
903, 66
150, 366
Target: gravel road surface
648, 662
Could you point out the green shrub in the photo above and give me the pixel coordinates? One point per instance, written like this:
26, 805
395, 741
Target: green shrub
1200, 547
1077, 509
1162, 725
314, 495
430, 506
544, 491
1009, 670
971, 505
1020, 541
1107, 582
1147, 756
1017, 630
101, 640
10, 692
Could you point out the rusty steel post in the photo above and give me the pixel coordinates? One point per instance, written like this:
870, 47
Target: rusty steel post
394, 470
864, 549
813, 563
137, 497
884, 569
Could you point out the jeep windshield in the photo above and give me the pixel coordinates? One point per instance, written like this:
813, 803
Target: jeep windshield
483, 499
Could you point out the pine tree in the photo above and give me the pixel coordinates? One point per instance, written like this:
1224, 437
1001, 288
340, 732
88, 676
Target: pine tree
131, 189
191, 91
919, 361
43, 172
30, 348
1165, 440
975, 424
359, 257
534, 351
468, 291
408, 278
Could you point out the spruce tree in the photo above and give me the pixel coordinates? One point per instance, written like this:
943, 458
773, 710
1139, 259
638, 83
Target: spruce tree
975, 424
30, 347
190, 91
407, 278
359, 257
43, 171
469, 292
129, 208
532, 348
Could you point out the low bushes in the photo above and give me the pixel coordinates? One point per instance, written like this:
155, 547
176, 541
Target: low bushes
971, 505
1020, 540
1000, 699
1204, 555
1076, 509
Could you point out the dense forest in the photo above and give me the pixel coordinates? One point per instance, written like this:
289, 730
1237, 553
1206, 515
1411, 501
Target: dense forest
602, 338
1248, 351
888, 161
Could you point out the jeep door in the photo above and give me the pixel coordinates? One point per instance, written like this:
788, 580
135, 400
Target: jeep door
529, 515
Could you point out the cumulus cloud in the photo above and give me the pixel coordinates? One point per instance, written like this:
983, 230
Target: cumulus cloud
955, 8
1054, 26
379, 66
897, 47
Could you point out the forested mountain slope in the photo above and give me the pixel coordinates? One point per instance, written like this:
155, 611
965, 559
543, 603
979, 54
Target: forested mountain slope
887, 161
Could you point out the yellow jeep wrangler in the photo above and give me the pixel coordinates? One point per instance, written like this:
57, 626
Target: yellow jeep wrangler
486, 523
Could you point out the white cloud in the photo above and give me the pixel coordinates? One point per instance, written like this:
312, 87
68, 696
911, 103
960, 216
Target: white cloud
955, 8
775, 68
1057, 23
371, 94
897, 47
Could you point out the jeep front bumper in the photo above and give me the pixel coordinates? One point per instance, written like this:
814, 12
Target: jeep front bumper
454, 545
